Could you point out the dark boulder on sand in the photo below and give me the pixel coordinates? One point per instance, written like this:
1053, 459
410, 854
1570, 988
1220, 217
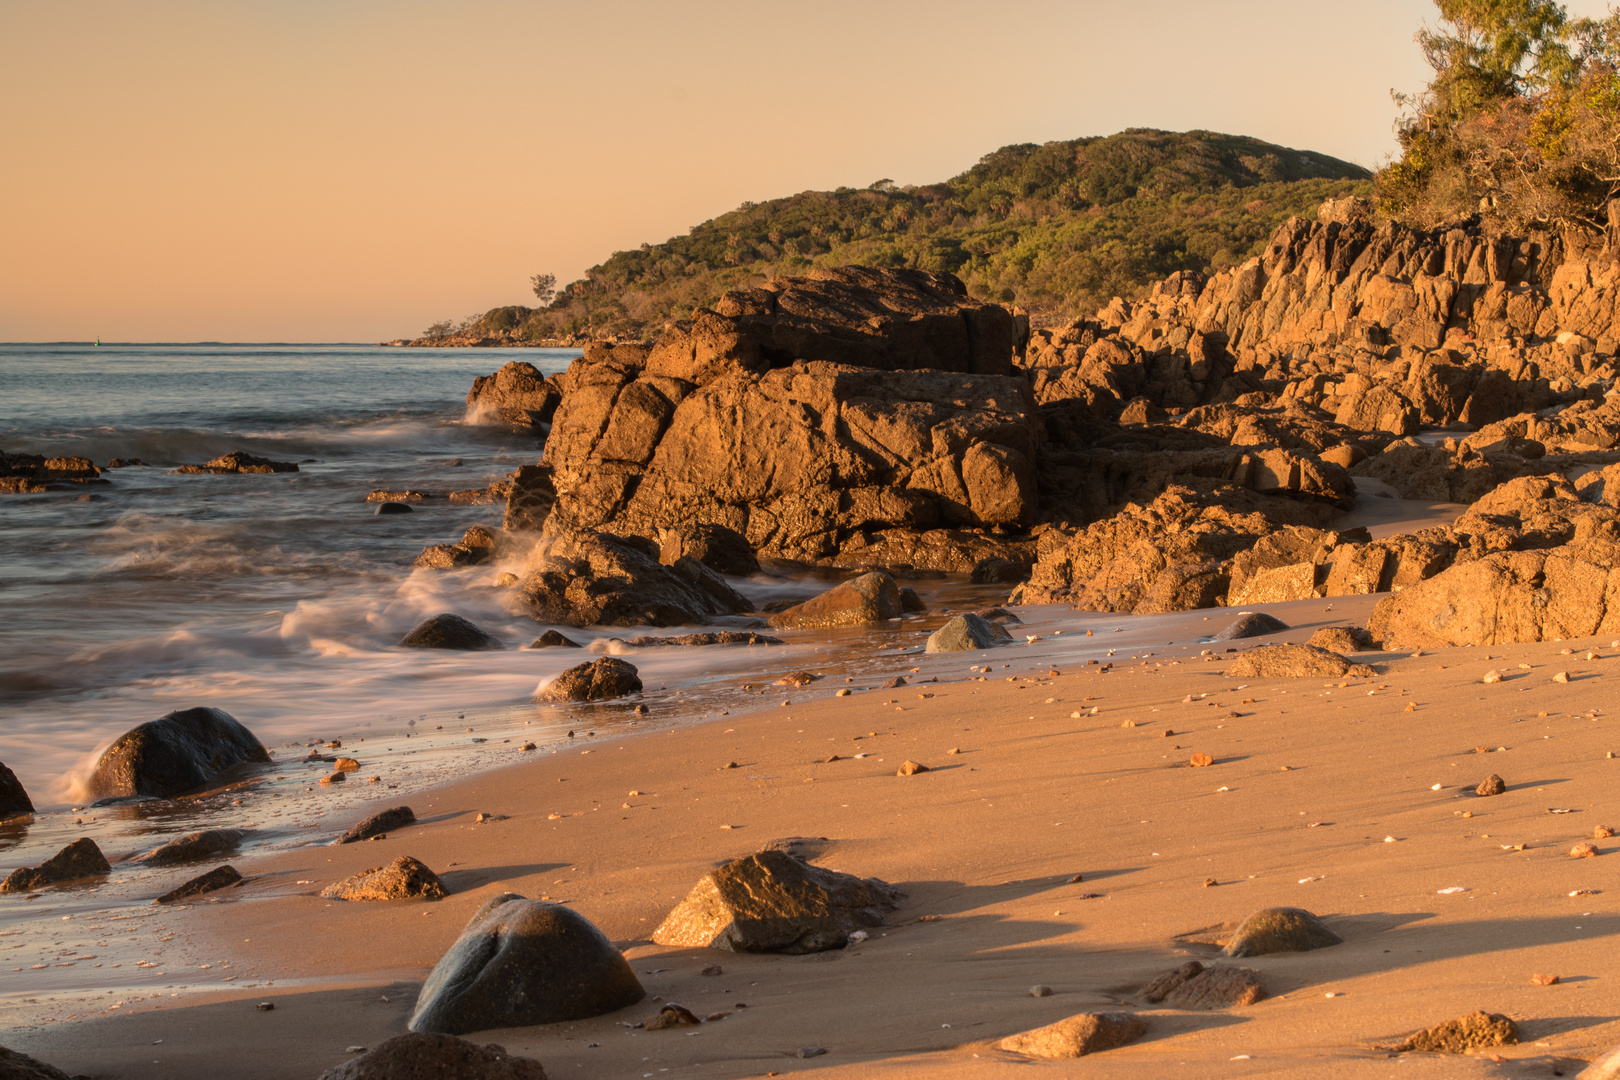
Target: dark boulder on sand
377, 824
14, 801
967, 633
776, 902
16, 1065
197, 845
1280, 929
174, 754
523, 962
1294, 662
424, 1056
80, 859
1251, 624
449, 631
599, 680
220, 877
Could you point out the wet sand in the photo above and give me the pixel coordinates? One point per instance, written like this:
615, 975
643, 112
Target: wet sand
1321, 797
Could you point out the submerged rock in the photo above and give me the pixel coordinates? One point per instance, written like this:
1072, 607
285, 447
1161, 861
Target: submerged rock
449, 631
14, 801
968, 633
870, 598
197, 845
599, 680
174, 754
774, 902
523, 962
551, 639
1077, 1036
403, 879
1280, 929
377, 824
220, 877
1251, 624
1475, 1031
387, 508
477, 545
80, 859
426, 1056
1293, 662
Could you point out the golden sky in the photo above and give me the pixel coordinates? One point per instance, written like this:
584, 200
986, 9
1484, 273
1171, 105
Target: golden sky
352, 170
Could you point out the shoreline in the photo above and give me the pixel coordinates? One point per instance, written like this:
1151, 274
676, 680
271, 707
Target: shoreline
1142, 833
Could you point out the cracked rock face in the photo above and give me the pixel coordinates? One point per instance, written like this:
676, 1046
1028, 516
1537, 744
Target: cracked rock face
775, 902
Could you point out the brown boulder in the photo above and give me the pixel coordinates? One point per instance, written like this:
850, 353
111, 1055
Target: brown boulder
1280, 929
1193, 986
477, 545
861, 601
403, 879
80, 859
775, 902
1342, 639
1077, 1036
425, 1056
1293, 662
1476, 1031
599, 680
449, 631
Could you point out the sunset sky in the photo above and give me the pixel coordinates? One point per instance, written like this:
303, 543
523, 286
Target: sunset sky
352, 170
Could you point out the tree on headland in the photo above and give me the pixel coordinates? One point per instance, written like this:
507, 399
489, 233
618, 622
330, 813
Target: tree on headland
545, 288
439, 330
1520, 123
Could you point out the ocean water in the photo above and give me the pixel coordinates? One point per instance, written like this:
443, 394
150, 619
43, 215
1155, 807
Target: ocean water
277, 597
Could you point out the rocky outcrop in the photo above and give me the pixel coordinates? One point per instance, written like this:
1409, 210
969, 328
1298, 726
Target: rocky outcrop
601, 579
776, 902
422, 1056
602, 679
516, 396
14, 800
239, 461
16, 1065
174, 754
477, 545
723, 550
80, 859
523, 962
34, 474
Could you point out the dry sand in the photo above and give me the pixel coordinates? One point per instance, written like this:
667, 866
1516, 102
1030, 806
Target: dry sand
1310, 779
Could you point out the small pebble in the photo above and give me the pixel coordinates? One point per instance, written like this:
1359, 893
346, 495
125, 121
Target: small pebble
1544, 980
266, 1006
1040, 990
1584, 850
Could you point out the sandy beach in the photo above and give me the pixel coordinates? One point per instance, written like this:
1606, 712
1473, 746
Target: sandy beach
1345, 797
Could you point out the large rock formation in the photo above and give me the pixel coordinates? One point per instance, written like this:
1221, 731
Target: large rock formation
517, 395
174, 754
522, 962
